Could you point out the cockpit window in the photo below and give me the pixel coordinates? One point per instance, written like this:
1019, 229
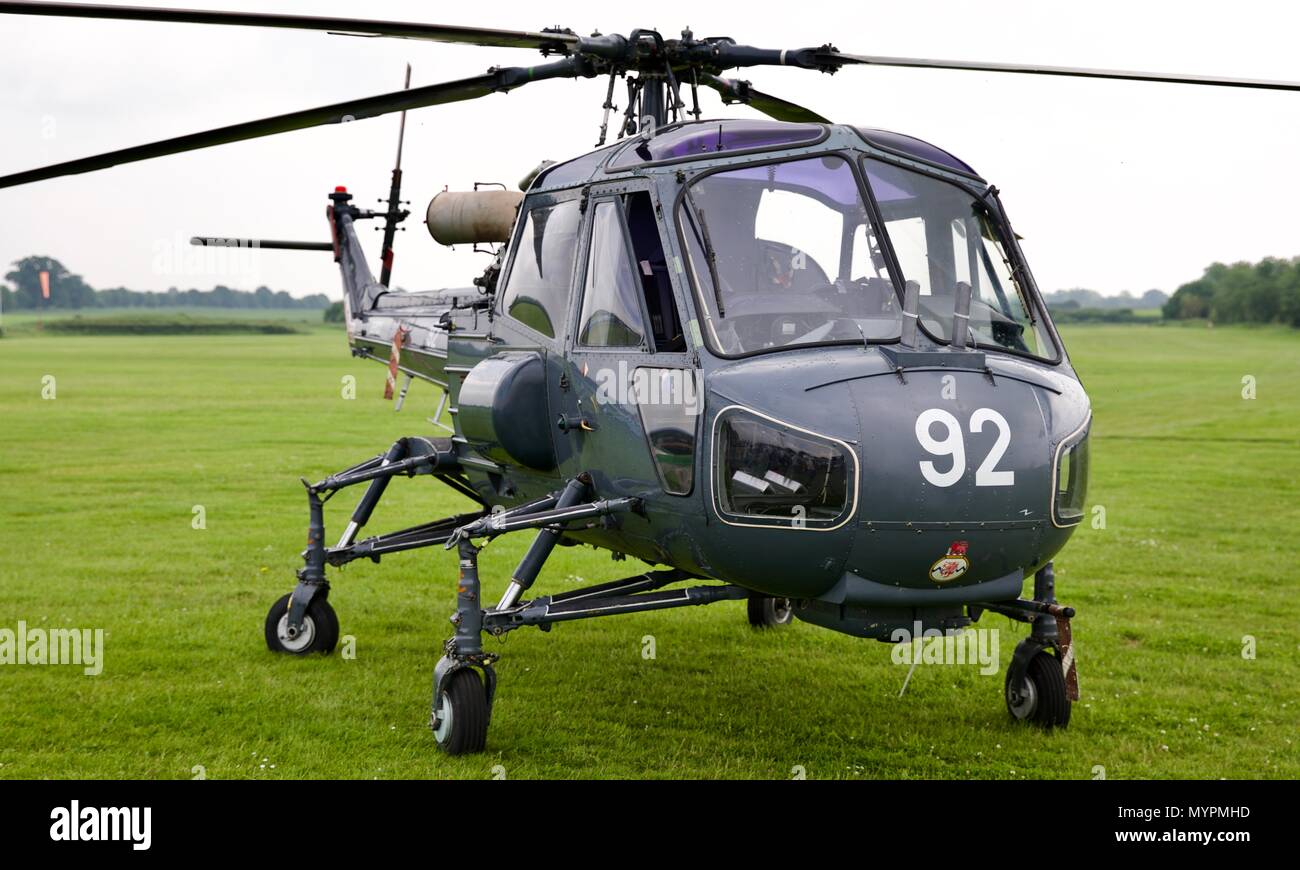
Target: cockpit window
943, 236
537, 290
784, 254
611, 300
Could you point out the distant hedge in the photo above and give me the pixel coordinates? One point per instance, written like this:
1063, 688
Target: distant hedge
177, 325
1100, 315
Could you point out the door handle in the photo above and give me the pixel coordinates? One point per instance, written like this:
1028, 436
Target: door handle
575, 422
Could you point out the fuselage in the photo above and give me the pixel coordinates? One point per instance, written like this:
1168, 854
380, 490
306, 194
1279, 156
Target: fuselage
714, 320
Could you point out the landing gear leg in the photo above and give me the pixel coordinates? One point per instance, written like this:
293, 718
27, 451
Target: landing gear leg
303, 622
462, 703
1041, 686
461, 707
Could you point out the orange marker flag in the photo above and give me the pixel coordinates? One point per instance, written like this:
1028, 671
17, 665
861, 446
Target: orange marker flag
393, 359
45, 284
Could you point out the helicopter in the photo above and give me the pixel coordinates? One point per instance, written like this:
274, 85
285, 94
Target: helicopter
792, 362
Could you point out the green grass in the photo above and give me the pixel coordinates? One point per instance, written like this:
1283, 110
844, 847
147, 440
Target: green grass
167, 324
181, 319
96, 494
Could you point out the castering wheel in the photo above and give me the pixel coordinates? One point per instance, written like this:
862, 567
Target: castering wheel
461, 713
1040, 696
767, 612
319, 631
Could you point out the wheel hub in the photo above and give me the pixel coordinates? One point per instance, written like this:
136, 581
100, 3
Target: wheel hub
443, 715
296, 641
1022, 700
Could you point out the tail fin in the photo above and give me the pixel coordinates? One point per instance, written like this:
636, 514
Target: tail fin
360, 289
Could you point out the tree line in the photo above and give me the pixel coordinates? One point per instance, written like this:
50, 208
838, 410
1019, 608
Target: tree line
1263, 292
1081, 298
71, 291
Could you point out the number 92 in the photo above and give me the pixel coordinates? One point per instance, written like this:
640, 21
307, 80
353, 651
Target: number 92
953, 444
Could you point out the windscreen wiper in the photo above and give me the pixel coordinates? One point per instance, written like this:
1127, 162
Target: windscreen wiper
996, 215
702, 233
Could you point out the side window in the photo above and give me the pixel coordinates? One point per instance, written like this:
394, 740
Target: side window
652, 267
537, 291
611, 299
670, 402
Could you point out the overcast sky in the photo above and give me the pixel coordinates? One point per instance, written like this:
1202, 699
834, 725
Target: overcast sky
1114, 185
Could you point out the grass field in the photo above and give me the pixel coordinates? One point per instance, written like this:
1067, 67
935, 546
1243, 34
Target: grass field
25, 322
98, 487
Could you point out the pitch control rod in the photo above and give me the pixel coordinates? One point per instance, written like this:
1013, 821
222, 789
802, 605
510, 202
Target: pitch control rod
545, 611
543, 544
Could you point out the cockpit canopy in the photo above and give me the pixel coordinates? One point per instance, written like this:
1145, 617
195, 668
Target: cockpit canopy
792, 234
796, 251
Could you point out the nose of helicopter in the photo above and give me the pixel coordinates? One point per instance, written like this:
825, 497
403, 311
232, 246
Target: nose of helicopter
927, 478
957, 488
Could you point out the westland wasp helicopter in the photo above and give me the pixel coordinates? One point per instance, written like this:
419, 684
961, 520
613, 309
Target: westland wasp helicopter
794, 362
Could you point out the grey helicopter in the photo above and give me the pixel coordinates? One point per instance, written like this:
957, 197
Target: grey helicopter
791, 362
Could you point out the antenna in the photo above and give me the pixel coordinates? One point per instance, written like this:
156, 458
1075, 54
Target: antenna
396, 214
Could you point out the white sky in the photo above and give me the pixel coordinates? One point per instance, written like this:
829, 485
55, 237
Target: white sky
1114, 185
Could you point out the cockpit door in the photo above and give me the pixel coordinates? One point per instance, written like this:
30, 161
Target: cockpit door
634, 399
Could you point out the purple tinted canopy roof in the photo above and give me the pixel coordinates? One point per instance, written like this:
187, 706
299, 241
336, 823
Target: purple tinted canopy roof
713, 137
910, 146
828, 176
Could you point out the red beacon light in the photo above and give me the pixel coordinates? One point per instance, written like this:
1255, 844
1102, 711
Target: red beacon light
340, 189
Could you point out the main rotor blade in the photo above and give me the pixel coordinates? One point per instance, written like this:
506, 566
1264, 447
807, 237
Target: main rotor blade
737, 91
558, 41
1077, 72
353, 110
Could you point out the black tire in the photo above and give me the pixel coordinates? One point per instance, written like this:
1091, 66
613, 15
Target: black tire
1041, 698
768, 612
320, 628
462, 714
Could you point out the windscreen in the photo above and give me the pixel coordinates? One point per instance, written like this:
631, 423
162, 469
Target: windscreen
944, 236
785, 254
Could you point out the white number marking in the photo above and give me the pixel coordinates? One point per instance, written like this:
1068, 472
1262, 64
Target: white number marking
953, 445
985, 475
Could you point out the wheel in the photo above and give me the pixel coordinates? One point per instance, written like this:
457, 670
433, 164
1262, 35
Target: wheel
319, 632
461, 712
1040, 698
768, 612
